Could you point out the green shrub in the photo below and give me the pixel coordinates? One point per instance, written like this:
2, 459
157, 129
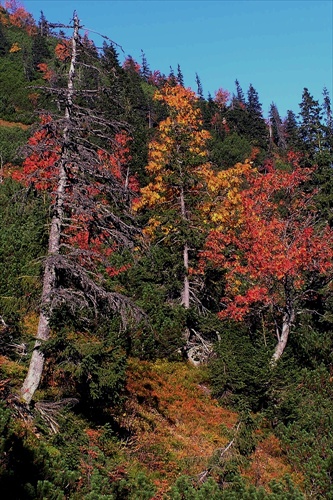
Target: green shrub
240, 373
11, 138
303, 414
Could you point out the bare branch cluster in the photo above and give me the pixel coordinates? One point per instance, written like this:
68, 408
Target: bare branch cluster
90, 203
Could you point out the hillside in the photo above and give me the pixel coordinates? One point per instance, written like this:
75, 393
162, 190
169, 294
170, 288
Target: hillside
171, 430
166, 267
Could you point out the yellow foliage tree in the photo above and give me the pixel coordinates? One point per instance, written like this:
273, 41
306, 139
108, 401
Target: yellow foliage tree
186, 196
222, 208
179, 168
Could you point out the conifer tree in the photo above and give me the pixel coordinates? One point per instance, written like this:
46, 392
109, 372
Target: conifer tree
253, 104
180, 78
311, 130
43, 25
323, 159
291, 130
239, 93
144, 70
257, 129
327, 107
199, 86
40, 51
172, 80
277, 134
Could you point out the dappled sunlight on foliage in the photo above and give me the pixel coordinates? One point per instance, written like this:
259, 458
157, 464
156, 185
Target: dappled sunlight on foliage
268, 463
177, 426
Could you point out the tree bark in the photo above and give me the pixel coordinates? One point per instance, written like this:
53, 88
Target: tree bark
186, 286
36, 366
288, 320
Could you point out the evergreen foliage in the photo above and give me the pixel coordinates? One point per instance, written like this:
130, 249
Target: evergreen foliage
291, 130
240, 373
11, 138
120, 413
22, 242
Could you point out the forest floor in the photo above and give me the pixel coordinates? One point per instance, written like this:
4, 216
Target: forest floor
170, 425
180, 429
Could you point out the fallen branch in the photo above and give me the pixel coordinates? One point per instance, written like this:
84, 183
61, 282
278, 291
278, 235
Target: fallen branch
222, 451
49, 411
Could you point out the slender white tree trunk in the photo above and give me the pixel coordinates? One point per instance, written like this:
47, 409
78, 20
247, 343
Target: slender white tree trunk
35, 371
288, 320
186, 286
186, 282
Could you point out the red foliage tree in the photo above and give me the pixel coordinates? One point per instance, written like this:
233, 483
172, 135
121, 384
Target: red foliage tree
277, 255
221, 98
40, 167
118, 162
19, 17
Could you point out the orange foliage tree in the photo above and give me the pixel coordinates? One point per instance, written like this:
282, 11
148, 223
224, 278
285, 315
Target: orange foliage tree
178, 167
62, 50
48, 73
19, 17
277, 256
186, 195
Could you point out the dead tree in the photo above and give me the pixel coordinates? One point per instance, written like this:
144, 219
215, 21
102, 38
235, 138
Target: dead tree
87, 199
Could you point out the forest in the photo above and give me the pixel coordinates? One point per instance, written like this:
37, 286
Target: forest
166, 265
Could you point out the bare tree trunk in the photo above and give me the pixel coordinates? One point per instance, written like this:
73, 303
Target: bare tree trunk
186, 283
288, 320
35, 371
186, 287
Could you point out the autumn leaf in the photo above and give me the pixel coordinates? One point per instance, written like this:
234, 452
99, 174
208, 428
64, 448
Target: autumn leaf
275, 253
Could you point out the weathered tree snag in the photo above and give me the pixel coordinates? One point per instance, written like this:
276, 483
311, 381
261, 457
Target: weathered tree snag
35, 371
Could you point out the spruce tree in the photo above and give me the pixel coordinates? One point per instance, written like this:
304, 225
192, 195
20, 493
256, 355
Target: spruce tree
40, 50
180, 78
291, 129
256, 127
172, 80
277, 134
239, 93
145, 70
199, 86
43, 25
311, 130
253, 104
327, 108
323, 161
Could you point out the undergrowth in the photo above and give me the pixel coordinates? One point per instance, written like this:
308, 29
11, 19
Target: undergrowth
170, 439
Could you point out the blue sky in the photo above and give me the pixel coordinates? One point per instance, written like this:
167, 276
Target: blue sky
279, 46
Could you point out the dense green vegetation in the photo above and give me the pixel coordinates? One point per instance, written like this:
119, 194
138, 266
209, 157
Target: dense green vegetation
120, 412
